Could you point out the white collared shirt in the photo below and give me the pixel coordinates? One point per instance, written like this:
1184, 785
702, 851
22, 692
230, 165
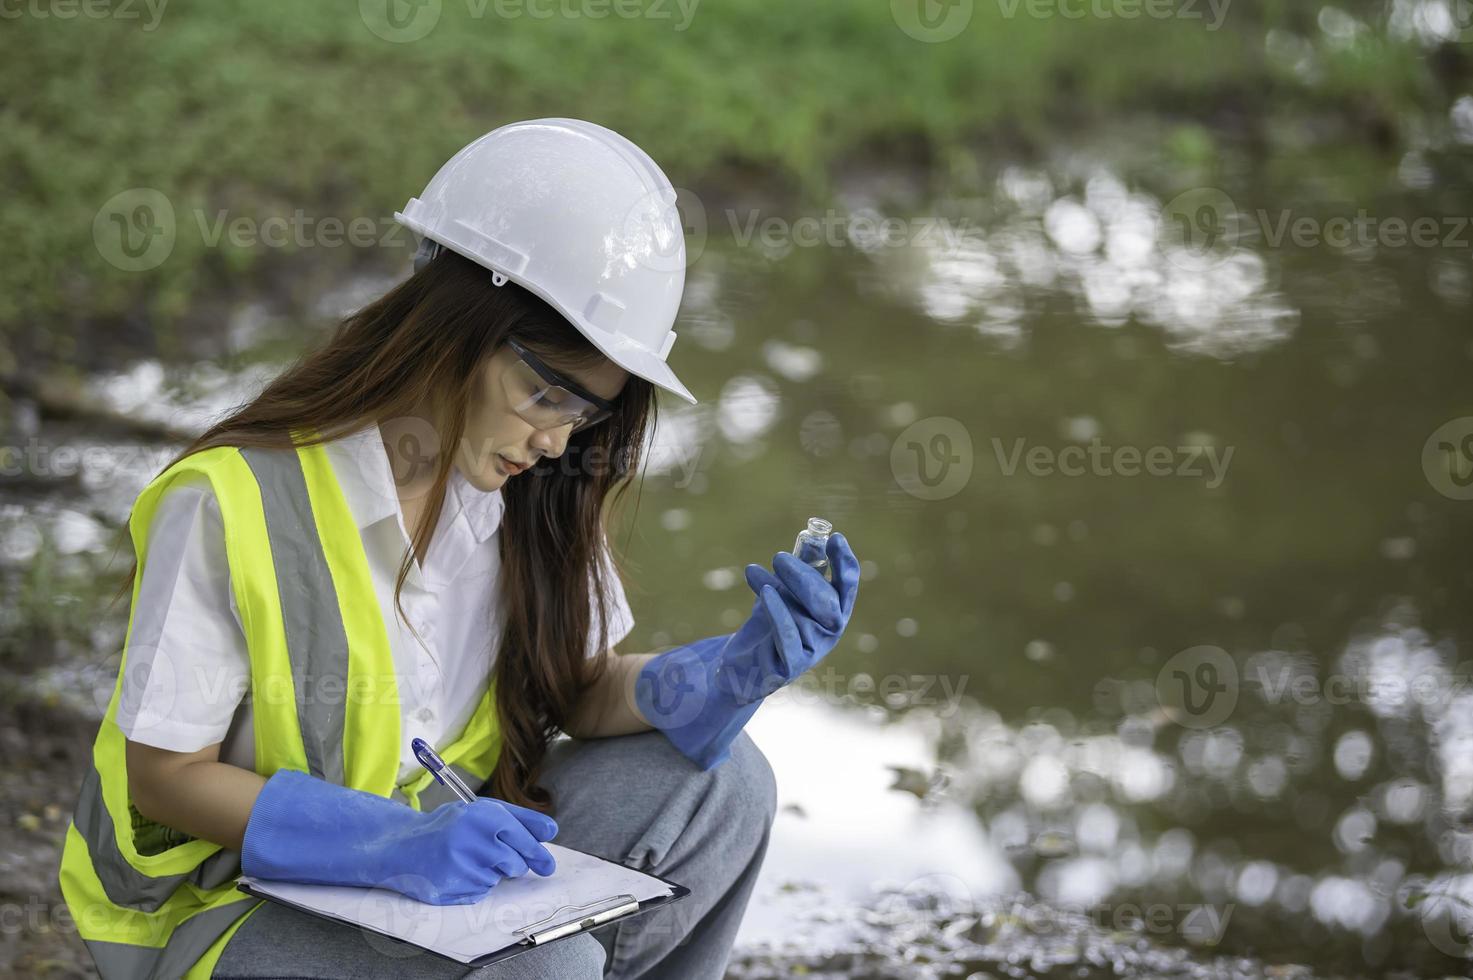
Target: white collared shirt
187, 668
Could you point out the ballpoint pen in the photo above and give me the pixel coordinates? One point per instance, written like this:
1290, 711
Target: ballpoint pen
442, 773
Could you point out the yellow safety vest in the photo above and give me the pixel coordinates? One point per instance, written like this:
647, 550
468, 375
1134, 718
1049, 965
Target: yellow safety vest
152, 903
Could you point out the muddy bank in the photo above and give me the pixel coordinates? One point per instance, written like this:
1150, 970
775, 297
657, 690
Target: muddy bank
45, 748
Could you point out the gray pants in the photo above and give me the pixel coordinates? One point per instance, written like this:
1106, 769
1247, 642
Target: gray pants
629, 798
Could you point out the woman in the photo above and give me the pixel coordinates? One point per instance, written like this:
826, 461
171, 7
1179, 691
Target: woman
454, 443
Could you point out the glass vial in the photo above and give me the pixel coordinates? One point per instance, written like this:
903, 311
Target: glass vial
812, 544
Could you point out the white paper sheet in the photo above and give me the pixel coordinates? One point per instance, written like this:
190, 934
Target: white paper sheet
467, 932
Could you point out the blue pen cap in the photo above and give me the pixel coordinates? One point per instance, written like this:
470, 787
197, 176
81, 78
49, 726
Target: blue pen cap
427, 758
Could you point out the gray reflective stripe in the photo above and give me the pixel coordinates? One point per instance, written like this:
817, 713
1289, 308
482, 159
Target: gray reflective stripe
125, 885
437, 793
315, 636
318, 648
125, 961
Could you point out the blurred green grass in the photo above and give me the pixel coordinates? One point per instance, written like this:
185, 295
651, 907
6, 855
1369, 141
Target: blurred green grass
260, 109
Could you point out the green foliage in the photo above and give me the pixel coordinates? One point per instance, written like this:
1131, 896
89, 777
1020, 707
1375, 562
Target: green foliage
254, 110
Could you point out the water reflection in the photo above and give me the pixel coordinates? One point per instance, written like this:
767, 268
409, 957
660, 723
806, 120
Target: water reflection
842, 830
1075, 817
1332, 819
1108, 248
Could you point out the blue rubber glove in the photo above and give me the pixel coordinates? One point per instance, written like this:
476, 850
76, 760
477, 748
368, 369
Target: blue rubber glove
700, 695
804, 625
302, 828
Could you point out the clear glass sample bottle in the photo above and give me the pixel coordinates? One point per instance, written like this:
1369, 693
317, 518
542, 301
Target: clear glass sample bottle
812, 544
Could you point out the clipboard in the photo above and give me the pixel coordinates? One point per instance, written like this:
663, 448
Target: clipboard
565, 921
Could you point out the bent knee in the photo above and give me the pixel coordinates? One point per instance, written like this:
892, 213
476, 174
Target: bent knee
753, 785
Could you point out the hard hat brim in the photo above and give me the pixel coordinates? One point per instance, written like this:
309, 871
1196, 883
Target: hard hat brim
638, 361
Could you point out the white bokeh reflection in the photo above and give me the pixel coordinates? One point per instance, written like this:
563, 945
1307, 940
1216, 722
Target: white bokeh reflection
1453, 737
1065, 802
842, 823
1256, 881
1268, 777
1430, 22
185, 398
747, 408
1403, 801
1353, 753
1103, 247
1349, 903
1355, 830
675, 443
959, 280
1083, 881
1400, 675
792, 361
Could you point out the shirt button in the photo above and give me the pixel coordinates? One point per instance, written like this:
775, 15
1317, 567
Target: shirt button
424, 714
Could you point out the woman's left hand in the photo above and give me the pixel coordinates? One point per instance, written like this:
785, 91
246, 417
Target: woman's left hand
807, 613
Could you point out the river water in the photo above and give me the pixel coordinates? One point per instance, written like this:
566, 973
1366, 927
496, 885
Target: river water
1160, 474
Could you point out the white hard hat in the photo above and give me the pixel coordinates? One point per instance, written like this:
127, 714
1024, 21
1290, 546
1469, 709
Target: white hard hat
580, 216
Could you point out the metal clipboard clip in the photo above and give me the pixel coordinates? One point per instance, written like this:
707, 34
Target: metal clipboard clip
558, 924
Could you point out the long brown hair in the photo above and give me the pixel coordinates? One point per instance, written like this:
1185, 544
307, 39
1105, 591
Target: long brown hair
422, 343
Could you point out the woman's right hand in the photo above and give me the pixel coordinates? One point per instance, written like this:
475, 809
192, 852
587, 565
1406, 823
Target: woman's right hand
464, 849
302, 828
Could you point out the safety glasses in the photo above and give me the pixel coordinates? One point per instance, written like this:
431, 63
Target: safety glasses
546, 399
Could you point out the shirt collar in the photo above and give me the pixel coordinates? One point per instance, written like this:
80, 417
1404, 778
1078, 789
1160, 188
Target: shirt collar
363, 471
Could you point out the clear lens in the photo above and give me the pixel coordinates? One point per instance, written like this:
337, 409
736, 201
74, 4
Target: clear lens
546, 406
